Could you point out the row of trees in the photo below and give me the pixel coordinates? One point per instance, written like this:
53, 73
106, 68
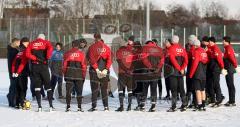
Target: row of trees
208, 10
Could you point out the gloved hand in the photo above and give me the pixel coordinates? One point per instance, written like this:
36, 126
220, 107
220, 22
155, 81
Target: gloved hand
237, 69
224, 72
104, 73
99, 73
40, 60
15, 75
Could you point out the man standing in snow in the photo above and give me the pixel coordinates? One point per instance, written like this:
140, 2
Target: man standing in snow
190, 90
178, 60
216, 65
154, 62
74, 69
99, 55
230, 64
198, 73
39, 52
125, 59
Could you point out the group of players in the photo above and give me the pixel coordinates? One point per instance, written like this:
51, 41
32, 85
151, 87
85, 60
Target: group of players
139, 67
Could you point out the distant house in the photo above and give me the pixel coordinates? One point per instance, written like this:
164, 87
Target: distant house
26, 13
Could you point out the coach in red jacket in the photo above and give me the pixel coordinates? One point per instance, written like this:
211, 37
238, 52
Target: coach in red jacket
20, 72
230, 64
99, 55
178, 60
216, 66
39, 52
125, 60
153, 62
198, 73
74, 70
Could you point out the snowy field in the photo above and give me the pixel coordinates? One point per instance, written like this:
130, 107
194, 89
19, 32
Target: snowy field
217, 117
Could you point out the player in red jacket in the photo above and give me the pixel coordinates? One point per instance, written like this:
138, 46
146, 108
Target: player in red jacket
190, 90
216, 67
153, 62
74, 70
99, 55
39, 52
206, 46
178, 60
198, 73
20, 73
230, 64
125, 59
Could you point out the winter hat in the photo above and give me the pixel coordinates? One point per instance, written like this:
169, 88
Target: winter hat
131, 38
205, 38
175, 39
192, 38
212, 39
41, 36
196, 42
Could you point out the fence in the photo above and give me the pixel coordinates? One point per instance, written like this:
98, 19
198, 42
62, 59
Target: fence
60, 30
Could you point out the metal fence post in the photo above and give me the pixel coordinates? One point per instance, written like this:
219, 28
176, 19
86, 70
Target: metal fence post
49, 29
77, 31
172, 32
140, 39
161, 37
10, 30
224, 30
196, 31
210, 30
83, 25
184, 37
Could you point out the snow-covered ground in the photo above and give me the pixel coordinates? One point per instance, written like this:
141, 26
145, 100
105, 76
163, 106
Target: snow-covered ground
217, 117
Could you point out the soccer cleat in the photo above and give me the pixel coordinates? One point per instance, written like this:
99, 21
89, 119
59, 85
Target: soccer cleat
137, 108
39, 110
142, 109
228, 104
120, 109
172, 110
92, 109
183, 108
110, 94
129, 108
106, 109
152, 109
68, 110
216, 105
80, 110
51, 109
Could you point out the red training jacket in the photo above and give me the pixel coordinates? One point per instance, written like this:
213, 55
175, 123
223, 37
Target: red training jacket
230, 55
178, 51
151, 49
99, 50
217, 54
19, 62
125, 58
39, 49
75, 55
199, 56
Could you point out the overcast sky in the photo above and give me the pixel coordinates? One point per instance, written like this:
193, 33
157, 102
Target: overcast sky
232, 5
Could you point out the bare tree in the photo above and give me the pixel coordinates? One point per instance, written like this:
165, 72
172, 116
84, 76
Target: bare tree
215, 9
